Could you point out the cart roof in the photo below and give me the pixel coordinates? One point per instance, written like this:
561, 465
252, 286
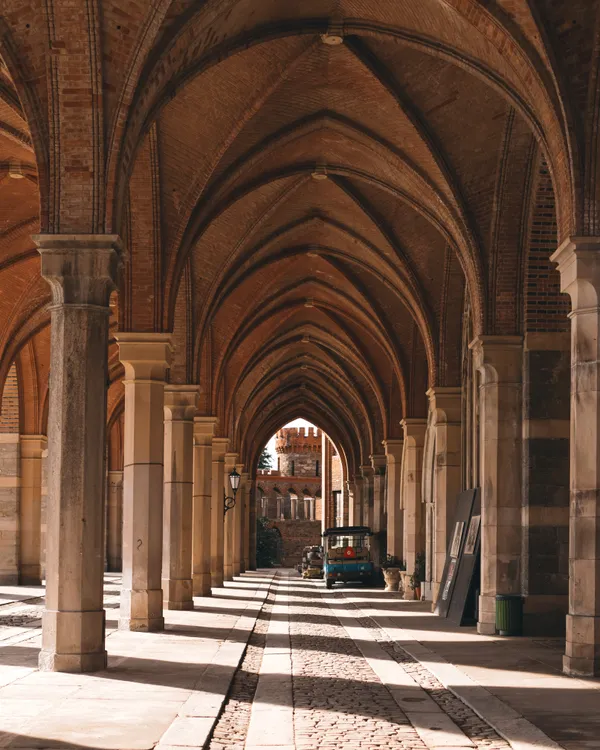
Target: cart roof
348, 530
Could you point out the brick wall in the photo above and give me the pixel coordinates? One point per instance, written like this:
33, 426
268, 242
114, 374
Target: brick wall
546, 309
9, 472
296, 535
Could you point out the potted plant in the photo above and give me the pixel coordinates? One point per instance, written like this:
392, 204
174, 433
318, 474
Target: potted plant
391, 568
418, 574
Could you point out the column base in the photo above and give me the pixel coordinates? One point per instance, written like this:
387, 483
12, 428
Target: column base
50, 661
72, 641
187, 605
582, 658
30, 575
216, 580
577, 667
9, 579
177, 593
201, 585
487, 614
236, 570
141, 610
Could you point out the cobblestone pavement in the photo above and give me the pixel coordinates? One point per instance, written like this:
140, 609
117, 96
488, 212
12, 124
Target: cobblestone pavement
339, 702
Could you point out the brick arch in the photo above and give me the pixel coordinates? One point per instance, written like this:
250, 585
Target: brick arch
500, 40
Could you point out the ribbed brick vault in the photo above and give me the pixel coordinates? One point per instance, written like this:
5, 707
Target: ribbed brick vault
325, 203
309, 218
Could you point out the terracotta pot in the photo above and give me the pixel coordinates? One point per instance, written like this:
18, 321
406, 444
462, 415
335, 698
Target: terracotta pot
392, 578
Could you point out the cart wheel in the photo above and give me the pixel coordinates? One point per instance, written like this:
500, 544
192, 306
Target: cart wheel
329, 584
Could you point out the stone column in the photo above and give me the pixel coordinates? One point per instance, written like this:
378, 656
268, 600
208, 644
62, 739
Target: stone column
10, 521
377, 513
230, 517
395, 511
146, 357
579, 265
114, 537
327, 509
355, 500
82, 271
366, 516
445, 403
204, 428
238, 523
217, 521
181, 402
252, 500
499, 360
44, 507
32, 447
412, 475
246, 522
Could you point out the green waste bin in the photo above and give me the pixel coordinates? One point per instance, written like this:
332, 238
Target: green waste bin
509, 614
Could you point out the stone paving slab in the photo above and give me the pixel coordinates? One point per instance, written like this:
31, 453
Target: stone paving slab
425, 644
160, 690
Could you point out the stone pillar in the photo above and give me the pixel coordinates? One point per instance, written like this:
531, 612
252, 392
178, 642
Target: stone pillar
9, 509
246, 529
146, 357
82, 271
366, 517
445, 403
579, 265
377, 512
355, 500
30, 568
395, 511
499, 360
412, 475
238, 524
217, 521
181, 402
252, 500
44, 507
545, 510
327, 505
204, 428
229, 520
114, 536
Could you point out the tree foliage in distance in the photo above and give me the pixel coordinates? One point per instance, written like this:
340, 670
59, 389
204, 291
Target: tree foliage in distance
268, 543
265, 461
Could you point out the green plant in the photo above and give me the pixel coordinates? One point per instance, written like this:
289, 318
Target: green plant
265, 460
419, 571
393, 562
268, 543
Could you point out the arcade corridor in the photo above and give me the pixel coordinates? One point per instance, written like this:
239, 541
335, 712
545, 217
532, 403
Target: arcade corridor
303, 668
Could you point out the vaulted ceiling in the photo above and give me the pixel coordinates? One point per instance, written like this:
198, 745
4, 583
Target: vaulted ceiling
313, 196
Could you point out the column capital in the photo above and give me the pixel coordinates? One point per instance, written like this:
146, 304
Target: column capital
33, 446
393, 449
414, 430
204, 429
446, 403
378, 462
219, 448
81, 269
181, 402
366, 471
499, 359
230, 459
578, 262
145, 356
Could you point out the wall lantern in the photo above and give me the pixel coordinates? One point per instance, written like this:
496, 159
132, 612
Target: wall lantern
229, 500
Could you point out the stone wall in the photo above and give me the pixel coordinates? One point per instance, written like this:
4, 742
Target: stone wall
295, 536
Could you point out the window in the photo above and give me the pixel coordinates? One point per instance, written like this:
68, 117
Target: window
293, 468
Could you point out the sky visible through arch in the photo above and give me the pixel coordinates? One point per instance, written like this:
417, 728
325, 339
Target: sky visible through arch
271, 443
